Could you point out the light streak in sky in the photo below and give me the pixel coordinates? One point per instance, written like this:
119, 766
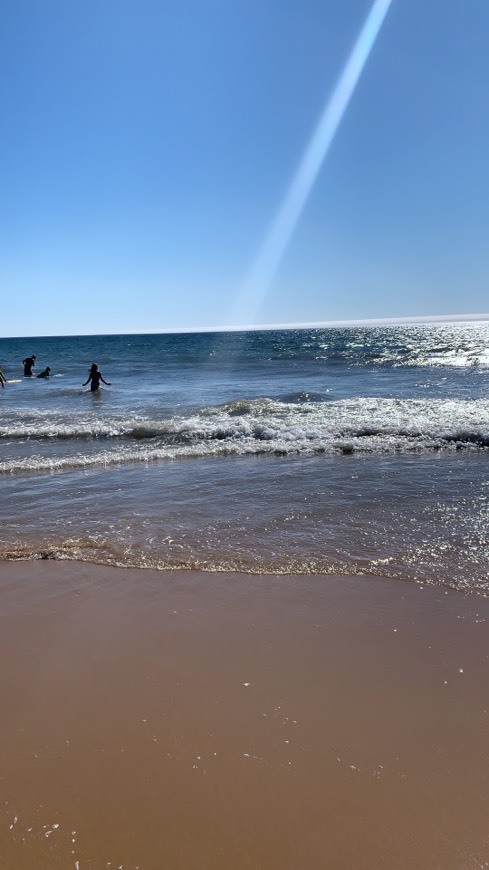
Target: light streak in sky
268, 260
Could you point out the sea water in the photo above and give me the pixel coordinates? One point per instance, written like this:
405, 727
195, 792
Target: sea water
355, 451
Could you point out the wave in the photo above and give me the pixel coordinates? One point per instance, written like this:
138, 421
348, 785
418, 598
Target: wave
253, 427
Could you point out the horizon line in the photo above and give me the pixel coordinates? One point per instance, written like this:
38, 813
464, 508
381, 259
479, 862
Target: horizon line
314, 324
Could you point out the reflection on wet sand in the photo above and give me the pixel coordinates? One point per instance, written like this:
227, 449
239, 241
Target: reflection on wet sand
160, 719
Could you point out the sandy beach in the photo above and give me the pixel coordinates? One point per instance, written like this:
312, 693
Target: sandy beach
189, 720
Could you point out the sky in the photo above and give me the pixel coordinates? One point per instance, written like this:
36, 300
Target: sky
148, 147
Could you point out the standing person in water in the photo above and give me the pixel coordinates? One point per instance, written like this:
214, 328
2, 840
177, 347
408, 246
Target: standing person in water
3, 379
29, 363
94, 378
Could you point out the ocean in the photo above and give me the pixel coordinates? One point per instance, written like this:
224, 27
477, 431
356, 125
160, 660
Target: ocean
356, 451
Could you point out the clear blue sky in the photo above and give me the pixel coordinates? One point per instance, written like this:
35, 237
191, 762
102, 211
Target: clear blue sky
147, 145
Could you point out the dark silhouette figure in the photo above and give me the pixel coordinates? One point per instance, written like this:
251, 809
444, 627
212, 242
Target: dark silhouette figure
45, 373
3, 379
94, 378
29, 363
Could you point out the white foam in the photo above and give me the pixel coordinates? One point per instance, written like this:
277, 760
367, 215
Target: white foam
361, 424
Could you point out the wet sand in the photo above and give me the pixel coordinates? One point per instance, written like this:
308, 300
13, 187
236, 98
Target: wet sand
184, 720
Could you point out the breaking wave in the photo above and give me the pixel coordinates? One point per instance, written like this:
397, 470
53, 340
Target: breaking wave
250, 427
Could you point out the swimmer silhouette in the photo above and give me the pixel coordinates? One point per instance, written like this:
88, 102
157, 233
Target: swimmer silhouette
94, 378
29, 363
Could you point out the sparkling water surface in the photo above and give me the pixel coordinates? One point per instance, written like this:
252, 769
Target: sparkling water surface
330, 450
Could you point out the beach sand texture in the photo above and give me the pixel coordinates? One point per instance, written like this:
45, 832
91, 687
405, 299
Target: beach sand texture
187, 720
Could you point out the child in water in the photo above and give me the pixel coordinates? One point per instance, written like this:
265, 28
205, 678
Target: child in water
45, 373
95, 377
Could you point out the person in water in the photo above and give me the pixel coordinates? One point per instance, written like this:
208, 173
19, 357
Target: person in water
3, 379
45, 373
94, 378
29, 363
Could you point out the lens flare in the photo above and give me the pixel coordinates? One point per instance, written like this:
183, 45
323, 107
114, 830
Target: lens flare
268, 260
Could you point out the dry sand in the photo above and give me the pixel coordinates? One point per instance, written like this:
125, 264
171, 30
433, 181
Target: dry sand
221, 722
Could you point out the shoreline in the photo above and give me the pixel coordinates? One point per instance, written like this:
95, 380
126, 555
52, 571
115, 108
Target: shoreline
190, 719
52, 556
